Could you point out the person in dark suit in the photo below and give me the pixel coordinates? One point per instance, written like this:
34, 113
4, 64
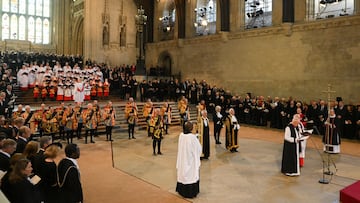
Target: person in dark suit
24, 135
7, 149
3, 104
45, 141
18, 122
218, 123
69, 176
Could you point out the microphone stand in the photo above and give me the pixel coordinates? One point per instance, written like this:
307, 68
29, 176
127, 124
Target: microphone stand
323, 180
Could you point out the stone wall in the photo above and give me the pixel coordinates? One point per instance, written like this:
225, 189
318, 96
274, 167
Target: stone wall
119, 13
297, 60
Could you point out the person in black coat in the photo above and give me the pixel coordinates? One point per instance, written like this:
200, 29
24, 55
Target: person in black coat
8, 148
24, 135
47, 172
45, 141
218, 123
22, 190
69, 176
3, 104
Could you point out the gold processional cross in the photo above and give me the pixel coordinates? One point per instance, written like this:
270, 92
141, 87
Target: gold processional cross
329, 91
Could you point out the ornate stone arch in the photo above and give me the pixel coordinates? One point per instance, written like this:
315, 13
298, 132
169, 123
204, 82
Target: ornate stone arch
77, 45
165, 62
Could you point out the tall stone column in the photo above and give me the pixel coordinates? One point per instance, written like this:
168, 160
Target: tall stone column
356, 7
237, 13
189, 18
218, 16
157, 14
300, 10
277, 7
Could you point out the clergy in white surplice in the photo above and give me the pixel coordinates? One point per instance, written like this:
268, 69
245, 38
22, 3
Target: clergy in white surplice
188, 163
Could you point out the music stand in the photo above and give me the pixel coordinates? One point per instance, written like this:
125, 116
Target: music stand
323, 180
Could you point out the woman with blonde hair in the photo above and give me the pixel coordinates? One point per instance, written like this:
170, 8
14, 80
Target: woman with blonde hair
30, 150
47, 172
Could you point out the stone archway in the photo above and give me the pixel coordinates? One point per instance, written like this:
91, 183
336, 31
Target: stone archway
165, 62
77, 45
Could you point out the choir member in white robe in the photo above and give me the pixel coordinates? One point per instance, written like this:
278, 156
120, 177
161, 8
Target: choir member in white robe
79, 93
24, 81
56, 68
19, 74
67, 68
188, 163
291, 151
31, 78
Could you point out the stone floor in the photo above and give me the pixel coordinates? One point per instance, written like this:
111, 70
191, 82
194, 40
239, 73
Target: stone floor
251, 175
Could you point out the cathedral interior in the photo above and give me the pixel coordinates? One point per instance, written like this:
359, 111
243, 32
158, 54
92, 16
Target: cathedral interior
276, 48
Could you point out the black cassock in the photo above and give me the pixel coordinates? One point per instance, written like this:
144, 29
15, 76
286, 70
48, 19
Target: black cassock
290, 157
206, 140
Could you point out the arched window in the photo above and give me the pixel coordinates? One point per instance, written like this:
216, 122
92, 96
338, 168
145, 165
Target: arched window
26, 20
5, 33
321, 9
22, 28
38, 31
258, 13
31, 30
46, 28
13, 27
205, 17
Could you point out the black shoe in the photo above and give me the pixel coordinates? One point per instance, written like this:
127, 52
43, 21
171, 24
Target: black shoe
154, 153
129, 138
133, 137
92, 141
159, 153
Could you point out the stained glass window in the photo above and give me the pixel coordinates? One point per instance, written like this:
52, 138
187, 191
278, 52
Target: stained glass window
13, 27
31, 29
46, 8
46, 29
14, 6
38, 31
26, 20
31, 6
5, 27
22, 28
39, 7
5, 5
22, 6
